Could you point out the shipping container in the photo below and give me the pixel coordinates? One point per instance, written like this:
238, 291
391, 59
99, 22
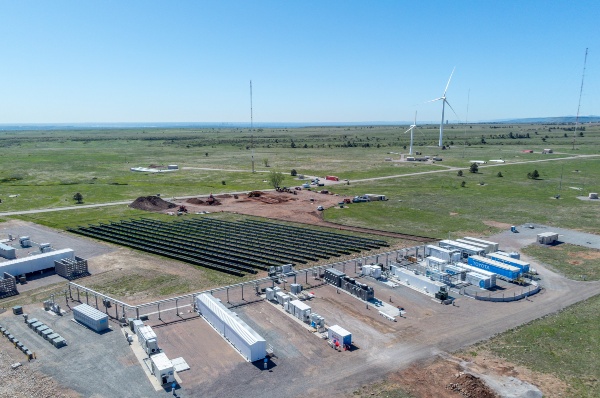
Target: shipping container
435, 262
466, 250
545, 238
505, 271
522, 265
148, 340
514, 255
91, 317
420, 282
375, 197
162, 368
470, 268
455, 271
447, 255
339, 334
486, 248
492, 245
481, 281
241, 336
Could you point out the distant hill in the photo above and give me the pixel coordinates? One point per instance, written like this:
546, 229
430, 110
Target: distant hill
551, 120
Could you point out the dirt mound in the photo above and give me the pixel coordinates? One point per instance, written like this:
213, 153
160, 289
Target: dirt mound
195, 201
272, 199
151, 203
254, 194
224, 196
470, 386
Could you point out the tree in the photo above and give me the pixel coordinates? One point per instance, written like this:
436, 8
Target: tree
533, 176
499, 174
275, 179
460, 173
293, 173
78, 197
474, 168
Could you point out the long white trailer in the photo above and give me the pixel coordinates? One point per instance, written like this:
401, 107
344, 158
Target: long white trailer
39, 262
241, 336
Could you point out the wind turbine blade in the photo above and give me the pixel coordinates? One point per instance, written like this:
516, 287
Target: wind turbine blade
411, 127
447, 103
415, 124
433, 100
449, 81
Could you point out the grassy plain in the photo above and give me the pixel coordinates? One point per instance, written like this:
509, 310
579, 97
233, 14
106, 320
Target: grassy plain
564, 344
575, 262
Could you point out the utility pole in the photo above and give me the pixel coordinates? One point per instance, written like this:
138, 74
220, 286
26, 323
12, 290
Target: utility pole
580, 92
251, 128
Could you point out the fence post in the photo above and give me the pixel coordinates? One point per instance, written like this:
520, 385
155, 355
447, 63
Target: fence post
96, 297
87, 300
137, 312
243, 291
159, 312
227, 290
177, 306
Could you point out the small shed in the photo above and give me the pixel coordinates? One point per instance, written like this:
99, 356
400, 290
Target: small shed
547, 238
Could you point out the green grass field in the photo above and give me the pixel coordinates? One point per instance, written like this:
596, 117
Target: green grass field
574, 262
563, 344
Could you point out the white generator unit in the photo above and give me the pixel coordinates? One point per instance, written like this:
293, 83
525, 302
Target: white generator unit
300, 310
376, 271
147, 339
366, 270
270, 294
162, 368
281, 297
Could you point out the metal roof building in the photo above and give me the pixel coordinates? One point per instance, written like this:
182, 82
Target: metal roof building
39, 262
249, 343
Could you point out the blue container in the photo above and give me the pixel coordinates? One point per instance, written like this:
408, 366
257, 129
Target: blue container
504, 270
521, 265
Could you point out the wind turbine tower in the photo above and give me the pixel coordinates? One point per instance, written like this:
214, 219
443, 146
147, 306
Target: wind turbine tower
444, 102
411, 129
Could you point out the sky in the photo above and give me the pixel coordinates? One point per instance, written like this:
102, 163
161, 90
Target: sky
309, 61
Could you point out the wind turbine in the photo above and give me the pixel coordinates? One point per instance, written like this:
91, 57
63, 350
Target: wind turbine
411, 129
444, 102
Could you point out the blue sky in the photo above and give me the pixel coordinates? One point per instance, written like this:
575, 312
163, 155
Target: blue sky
310, 61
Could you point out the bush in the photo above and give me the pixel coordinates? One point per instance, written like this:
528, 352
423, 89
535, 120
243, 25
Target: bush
460, 173
463, 184
223, 182
474, 168
499, 174
293, 173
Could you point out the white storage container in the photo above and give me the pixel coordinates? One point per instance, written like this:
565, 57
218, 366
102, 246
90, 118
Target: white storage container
241, 336
91, 317
162, 368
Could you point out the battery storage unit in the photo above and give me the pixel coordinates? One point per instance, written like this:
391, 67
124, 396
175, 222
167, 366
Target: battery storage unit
91, 317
